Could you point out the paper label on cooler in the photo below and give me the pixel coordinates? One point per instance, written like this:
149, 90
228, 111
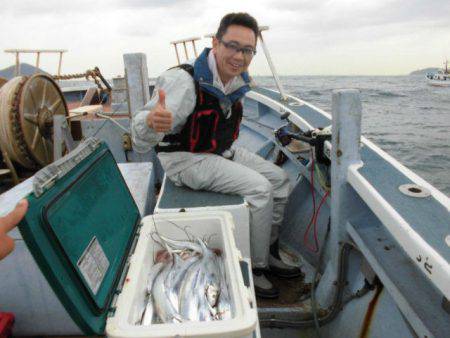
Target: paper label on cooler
93, 265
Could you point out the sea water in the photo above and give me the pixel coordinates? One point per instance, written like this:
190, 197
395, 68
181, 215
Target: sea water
403, 115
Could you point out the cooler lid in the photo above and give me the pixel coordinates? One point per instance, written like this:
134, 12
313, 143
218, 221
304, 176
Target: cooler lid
80, 226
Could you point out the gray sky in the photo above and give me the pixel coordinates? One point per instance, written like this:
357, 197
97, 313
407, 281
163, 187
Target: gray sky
335, 37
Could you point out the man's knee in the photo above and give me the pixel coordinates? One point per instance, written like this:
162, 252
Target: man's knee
262, 186
280, 176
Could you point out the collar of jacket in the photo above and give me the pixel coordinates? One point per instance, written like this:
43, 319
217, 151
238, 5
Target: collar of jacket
204, 76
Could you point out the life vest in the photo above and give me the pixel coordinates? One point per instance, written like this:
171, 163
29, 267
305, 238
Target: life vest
207, 129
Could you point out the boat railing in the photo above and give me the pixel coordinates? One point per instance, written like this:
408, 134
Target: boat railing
38, 53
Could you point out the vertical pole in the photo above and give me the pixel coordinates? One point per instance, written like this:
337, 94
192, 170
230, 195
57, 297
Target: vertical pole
60, 62
185, 50
176, 51
346, 138
195, 49
346, 135
272, 68
17, 69
138, 95
38, 54
137, 81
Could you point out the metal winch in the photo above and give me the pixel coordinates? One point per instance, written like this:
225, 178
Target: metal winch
27, 107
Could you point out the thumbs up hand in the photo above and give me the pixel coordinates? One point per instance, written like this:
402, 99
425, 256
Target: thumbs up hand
159, 118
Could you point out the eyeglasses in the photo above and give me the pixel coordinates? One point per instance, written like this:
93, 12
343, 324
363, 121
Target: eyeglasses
235, 48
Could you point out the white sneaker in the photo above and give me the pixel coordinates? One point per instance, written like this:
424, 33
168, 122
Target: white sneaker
281, 269
264, 287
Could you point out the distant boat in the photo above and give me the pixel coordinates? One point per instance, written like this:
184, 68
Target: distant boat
441, 78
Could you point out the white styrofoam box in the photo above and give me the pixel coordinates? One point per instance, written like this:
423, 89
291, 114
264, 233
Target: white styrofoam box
257, 332
125, 323
240, 213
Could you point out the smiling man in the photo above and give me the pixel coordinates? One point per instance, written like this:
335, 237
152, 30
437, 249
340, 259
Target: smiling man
193, 120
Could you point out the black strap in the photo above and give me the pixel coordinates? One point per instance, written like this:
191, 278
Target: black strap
187, 67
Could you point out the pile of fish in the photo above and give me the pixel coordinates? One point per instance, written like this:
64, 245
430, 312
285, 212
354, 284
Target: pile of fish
186, 283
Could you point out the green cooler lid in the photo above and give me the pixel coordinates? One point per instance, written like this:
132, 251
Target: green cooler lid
80, 227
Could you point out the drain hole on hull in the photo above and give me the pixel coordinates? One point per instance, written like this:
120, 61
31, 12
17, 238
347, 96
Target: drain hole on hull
415, 190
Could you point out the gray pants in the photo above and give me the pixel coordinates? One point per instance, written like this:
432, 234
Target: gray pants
264, 186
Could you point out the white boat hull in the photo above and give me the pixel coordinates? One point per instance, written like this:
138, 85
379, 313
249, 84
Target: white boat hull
439, 83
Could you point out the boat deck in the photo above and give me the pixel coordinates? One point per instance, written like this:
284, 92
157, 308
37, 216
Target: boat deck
416, 296
426, 216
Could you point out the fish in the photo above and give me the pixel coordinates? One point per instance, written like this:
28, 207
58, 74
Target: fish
148, 314
182, 245
163, 306
188, 295
175, 277
147, 318
224, 305
154, 271
187, 284
200, 289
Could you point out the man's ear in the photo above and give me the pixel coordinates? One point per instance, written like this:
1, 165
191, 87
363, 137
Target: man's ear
215, 43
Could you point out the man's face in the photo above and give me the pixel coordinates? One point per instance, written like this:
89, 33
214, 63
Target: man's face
229, 62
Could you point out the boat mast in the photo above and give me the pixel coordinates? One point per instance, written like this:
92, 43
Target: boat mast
271, 65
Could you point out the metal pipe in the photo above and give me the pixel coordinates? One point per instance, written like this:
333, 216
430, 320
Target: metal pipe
113, 121
176, 51
336, 306
60, 63
17, 69
272, 68
185, 50
37, 59
195, 49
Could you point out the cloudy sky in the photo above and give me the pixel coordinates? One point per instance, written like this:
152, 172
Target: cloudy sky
306, 37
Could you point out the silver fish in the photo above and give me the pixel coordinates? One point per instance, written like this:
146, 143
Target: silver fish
163, 306
181, 245
200, 289
147, 318
148, 315
224, 305
175, 277
188, 295
154, 271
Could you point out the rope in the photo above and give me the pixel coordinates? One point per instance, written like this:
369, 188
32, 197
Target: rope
94, 74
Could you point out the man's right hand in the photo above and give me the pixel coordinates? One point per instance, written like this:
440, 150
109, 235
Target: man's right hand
159, 118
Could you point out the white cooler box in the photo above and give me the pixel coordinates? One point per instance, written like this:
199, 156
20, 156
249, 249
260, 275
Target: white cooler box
130, 302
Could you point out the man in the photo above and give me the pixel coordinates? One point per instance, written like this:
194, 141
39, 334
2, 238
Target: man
7, 223
193, 120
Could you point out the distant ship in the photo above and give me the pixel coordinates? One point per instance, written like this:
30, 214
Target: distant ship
441, 78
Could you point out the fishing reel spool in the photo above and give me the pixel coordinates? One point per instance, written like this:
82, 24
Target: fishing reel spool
27, 107
319, 139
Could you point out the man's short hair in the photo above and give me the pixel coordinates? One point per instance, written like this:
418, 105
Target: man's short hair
240, 19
